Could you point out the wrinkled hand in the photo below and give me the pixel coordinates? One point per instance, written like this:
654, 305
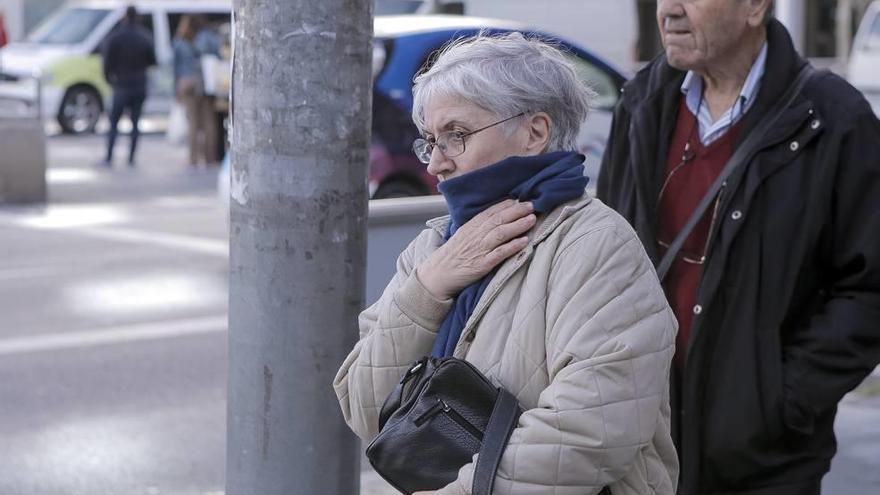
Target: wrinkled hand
477, 247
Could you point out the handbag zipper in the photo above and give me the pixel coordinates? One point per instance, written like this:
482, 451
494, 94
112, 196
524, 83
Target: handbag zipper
443, 407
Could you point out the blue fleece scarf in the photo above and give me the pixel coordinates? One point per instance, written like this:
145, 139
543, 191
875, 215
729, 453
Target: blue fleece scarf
546, 180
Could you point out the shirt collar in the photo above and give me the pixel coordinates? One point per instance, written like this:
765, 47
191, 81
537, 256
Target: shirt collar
692, 86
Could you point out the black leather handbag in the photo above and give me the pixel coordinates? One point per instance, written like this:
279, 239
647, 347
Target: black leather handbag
442, 413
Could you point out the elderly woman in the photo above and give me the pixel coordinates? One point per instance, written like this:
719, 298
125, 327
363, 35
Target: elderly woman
544, 289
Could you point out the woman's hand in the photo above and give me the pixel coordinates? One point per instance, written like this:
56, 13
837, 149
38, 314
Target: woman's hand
477, 247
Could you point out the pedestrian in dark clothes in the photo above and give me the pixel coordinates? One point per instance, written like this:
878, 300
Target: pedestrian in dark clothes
127, 54
777, 289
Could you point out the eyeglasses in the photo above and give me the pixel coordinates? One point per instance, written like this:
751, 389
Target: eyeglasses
687, 156
451, 144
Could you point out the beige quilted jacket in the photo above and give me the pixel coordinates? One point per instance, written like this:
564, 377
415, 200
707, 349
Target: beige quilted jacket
576, 326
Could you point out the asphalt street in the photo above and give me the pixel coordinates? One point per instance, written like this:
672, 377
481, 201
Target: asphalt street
113, 299
113, 334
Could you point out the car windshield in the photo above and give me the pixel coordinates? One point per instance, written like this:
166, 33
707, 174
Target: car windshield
69, 27
395, 7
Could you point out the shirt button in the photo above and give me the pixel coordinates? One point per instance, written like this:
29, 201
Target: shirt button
794, 146
698, 309
815, 124
736, 215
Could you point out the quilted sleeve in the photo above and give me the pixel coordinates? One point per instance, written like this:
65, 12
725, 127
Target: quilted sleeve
610, 338
394, 332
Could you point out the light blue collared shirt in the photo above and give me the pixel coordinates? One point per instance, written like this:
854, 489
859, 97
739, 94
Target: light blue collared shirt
692, 89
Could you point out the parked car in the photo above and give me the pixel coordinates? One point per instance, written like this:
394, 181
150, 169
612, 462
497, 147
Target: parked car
64, 52
864, 62
403, 45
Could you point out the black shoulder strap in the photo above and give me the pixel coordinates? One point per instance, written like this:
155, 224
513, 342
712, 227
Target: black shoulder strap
743, 153
501, 424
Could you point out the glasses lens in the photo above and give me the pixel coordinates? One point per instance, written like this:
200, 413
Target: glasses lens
422, 148
451, 144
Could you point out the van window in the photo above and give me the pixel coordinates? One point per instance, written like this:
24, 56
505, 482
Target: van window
69, 27
213, 18
600, 81
143, 20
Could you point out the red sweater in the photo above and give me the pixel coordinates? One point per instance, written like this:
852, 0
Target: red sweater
687, 184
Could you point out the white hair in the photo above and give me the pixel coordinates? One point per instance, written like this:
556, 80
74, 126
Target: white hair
508, 74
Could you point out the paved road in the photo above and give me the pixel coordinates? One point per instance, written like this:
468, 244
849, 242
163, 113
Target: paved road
112, 339
113, 336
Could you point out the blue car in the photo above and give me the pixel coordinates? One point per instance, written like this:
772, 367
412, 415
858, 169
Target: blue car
402, 46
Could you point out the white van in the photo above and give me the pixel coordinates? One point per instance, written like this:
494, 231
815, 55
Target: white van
64, 52
864, 62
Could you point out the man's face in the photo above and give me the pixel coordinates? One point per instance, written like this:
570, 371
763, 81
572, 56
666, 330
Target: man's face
698, 33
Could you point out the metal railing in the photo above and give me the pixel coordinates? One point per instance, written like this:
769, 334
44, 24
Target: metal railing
393, 224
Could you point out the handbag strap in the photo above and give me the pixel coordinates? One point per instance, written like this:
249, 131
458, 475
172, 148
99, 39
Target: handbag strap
743, 153
501, 424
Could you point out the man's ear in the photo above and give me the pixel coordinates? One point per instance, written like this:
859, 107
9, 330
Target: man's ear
539, 125
758, 11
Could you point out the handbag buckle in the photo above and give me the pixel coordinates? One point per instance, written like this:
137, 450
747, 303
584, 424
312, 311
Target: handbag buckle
412, 371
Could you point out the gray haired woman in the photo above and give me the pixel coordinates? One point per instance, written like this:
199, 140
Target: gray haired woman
544, 289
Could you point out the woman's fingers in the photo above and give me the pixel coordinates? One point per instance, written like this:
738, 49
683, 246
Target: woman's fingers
506, 250
512, 212
499, 214
478, 247
508, 231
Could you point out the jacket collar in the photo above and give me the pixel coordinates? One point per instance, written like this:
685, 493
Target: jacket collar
543, 228
546, 225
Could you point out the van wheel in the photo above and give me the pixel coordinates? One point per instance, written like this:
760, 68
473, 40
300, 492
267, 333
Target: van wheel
80, 109
399, 189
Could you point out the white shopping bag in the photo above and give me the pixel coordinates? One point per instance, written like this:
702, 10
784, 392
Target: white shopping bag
210, 64
177, 125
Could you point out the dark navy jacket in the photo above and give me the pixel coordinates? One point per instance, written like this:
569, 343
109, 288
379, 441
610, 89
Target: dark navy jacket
789, 296
127, 53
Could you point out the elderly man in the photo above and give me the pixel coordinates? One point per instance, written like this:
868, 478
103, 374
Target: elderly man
777, 287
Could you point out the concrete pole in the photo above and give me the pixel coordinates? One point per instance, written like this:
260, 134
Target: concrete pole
301, 117
792, 13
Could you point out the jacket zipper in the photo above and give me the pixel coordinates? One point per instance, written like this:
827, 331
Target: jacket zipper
443, 407
469, 332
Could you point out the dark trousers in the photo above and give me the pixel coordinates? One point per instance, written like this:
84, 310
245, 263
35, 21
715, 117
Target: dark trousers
129, 98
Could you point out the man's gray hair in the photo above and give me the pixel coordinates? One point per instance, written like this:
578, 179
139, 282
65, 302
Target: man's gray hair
508, 74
